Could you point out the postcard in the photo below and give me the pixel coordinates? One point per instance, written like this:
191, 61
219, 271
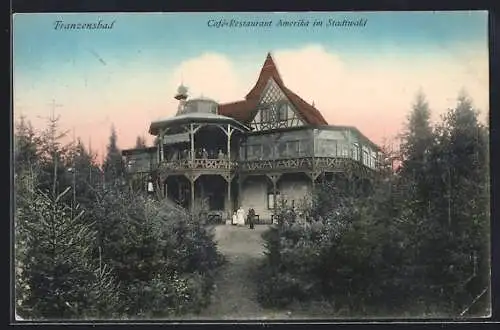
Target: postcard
251, 167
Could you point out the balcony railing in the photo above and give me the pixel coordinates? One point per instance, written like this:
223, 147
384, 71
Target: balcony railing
303, 163
300, 163
198, 163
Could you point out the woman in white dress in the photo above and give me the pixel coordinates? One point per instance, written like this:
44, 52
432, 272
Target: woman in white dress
241, 216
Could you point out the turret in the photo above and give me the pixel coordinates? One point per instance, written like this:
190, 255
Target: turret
181, 96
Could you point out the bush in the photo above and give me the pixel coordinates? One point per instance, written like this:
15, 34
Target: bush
164, 259
342, 254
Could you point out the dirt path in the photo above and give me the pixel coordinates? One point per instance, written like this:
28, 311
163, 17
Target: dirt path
235, 292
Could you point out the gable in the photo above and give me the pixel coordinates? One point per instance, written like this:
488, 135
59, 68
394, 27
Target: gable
245, 110
274, 110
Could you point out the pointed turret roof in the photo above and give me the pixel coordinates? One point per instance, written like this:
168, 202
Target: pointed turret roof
269, 70
245, 110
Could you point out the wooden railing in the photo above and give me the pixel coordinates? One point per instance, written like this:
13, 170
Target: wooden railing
300, 163
305, 163
198, 163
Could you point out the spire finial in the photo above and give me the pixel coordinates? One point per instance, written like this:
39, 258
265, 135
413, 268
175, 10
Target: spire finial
182, 92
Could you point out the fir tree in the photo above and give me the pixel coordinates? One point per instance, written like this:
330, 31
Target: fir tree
25, 146
417, 141
85, 173
114, 167
57, 276
54, 157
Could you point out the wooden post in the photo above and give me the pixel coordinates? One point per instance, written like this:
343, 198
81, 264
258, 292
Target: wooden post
191, 132
229, 206
192, 193
274, 179
275, 190
229, 133
240, 188
161, 147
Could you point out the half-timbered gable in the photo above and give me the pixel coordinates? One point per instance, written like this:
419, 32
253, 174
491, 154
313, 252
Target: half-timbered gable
270, 104
275, 110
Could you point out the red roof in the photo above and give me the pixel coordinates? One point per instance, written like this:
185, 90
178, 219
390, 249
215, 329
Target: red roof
244, 110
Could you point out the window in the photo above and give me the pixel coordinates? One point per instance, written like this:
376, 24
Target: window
292, 148
282, 149
355, 151
242, 152
271, 198
283, 112
366, 156
254, 151
373, 159
343, 150
265, 114
328, 148
267, 151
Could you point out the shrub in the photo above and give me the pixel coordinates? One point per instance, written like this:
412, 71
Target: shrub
164, 259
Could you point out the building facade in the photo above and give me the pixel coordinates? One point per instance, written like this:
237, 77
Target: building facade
268, 148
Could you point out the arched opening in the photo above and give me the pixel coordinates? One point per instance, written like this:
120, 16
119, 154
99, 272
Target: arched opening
210, 141
294, 189
212, 191
178, 189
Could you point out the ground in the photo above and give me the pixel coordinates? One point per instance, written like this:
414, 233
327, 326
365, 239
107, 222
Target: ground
234, 296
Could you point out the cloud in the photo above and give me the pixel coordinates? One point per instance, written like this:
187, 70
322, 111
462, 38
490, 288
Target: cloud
211, 75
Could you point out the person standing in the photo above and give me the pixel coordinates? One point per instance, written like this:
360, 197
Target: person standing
234, 221
241, 216
251, 218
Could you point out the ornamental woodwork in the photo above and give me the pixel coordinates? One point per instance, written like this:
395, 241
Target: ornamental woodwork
315, 165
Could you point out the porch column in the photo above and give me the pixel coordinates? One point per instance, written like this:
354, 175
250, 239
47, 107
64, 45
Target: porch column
314, 175
274, 179
241, 177
191, 132
192, 193
229, 204
162, 156
229, 133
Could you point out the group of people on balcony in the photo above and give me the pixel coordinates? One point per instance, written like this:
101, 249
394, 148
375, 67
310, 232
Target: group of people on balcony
200, 153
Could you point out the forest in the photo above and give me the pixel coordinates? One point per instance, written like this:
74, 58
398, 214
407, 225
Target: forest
416, 245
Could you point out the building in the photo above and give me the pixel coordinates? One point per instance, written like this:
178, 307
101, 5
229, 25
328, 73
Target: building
272, 146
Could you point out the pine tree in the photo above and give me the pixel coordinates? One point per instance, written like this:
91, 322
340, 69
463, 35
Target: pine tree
114, 167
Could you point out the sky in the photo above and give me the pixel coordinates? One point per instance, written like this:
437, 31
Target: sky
365, 76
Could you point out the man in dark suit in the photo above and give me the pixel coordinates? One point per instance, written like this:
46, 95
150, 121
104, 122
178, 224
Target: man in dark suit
251, 218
